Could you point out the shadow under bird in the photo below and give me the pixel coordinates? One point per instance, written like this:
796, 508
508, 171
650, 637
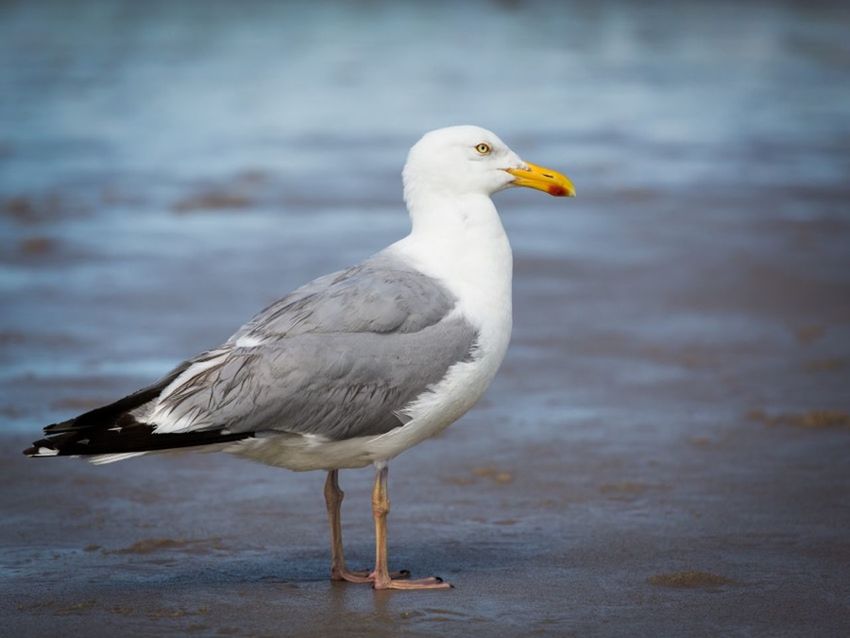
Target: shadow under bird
357, 366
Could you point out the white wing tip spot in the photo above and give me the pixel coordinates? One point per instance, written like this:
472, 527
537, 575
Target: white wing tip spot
248, 341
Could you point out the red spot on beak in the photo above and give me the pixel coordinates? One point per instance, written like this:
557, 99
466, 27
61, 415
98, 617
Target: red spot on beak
557, 191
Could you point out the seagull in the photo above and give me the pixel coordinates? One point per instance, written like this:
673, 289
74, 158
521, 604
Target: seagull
357, 366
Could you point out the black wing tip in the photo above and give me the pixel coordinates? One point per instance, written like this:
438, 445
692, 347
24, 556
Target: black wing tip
108, 415
133, 437
59, 428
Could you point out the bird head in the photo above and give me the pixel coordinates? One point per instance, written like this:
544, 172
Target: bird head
461, 160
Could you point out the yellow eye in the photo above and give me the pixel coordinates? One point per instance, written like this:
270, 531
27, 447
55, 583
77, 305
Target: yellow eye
483, 149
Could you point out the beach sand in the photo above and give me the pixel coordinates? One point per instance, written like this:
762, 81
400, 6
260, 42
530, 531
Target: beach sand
612, 483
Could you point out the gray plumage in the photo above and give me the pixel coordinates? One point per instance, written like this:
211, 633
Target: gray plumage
337, 358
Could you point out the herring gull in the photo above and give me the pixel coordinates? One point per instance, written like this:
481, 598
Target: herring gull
357, 366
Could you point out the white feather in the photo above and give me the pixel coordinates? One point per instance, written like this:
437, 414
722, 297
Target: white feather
248, 341
164, 419
103, 459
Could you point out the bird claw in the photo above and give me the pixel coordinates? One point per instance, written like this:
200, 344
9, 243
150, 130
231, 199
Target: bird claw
364, 576
432, 582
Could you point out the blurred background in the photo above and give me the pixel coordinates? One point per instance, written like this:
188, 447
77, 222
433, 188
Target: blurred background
682, 328
169, 168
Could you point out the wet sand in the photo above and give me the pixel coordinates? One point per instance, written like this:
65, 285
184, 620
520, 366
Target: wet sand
629, 481
741, 530
735, 529
664, 451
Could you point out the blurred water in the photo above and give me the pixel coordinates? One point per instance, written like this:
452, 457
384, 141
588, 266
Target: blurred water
167, 168
176, 91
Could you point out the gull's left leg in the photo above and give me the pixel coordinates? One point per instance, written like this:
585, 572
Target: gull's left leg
333, 500
382, 576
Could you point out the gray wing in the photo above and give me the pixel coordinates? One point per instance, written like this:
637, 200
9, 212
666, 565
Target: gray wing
336, 358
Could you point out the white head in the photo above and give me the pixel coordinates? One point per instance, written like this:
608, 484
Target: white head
464, 160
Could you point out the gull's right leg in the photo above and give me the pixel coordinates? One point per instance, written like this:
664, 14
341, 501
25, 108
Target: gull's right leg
383, 579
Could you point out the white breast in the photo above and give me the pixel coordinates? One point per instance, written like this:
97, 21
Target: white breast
469, 252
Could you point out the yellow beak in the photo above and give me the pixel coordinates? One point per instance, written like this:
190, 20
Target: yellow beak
543, 179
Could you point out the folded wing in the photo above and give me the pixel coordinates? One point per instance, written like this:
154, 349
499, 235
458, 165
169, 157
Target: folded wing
337, 358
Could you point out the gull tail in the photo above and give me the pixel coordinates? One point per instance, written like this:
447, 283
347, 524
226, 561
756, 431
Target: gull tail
115, 443
113, 432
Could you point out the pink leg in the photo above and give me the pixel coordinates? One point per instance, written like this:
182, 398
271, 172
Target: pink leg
333, 500
382, 578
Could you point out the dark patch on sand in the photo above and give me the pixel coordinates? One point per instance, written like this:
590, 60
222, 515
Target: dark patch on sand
489, 473
21, 209
252, 176
153, 545
7, 338
639, 194
241, 191
111, 195
213, 200
628, 490
41, 209
689, 580
811, 420
701, 441
830, 364
60, 608
810, 333
502, 477
179, 612
10, 411
37, 246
